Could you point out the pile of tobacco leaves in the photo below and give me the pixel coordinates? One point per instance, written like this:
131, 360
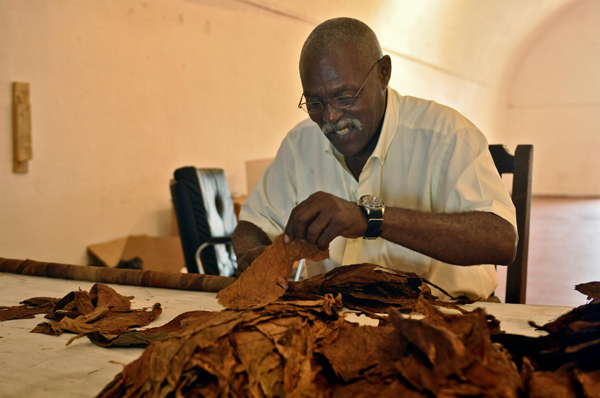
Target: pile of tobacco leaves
565, 362
305, 348
282, 339
270, 343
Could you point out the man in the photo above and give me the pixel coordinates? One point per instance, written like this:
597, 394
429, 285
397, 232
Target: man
430, 200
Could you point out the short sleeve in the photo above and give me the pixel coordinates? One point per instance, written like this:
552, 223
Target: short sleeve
468, 180
271, 201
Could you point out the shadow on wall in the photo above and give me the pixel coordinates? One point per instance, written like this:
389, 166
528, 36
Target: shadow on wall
553, 102
254, 170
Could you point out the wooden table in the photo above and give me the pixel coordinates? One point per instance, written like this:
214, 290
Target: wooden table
35, 365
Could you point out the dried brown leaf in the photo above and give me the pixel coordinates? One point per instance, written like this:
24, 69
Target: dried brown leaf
266, 279
360, 350
23, 311
49, 328
551, 385
590, 383
28, 308
590, 289
110, 322
106, 296
144, 336
366, 389
371, 288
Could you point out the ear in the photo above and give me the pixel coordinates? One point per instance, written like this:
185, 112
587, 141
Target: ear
385, 70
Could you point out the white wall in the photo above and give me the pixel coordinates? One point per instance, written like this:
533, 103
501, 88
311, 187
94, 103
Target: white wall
554, 103
123, 92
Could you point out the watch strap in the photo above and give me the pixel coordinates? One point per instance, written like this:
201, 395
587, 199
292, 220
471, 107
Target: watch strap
374, 221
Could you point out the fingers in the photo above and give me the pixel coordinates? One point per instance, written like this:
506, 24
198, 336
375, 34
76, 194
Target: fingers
307, 221
321, 218
300, 217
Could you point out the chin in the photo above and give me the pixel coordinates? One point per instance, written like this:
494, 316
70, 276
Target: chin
345, 150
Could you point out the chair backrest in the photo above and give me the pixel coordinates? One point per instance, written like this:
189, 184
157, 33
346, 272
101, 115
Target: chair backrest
520, 166
204, 210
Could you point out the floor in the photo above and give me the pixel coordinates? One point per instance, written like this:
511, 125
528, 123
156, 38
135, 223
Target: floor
564, 250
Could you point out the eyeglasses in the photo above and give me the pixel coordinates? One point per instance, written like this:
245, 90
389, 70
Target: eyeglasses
341, 102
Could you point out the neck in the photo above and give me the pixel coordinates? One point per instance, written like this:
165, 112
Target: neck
357, 162
355, 165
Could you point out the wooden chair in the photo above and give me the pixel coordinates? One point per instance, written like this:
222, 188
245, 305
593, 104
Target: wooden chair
520, 166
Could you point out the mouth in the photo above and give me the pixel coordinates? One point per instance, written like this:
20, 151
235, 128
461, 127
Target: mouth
342, 132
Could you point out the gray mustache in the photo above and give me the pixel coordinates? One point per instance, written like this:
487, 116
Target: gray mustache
341, 124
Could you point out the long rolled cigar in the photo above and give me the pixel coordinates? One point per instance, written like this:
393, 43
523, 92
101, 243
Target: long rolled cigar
169, 280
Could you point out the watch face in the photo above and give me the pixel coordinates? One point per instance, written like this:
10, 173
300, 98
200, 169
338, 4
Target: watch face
371, 202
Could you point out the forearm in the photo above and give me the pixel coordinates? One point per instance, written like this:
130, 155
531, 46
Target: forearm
247, 236
468, 238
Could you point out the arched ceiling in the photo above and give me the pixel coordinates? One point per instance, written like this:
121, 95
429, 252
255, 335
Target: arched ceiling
471, 39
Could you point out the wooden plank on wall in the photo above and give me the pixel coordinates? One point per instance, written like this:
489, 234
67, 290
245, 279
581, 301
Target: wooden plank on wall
22, 148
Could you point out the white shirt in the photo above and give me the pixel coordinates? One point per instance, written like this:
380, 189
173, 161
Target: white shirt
429, 157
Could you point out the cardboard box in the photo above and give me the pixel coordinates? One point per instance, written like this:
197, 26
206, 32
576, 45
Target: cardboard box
157, 253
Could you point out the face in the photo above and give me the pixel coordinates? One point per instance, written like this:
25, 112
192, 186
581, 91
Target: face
352, 131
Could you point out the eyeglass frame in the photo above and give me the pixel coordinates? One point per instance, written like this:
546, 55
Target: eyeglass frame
355, 96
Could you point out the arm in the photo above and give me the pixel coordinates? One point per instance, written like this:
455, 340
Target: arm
249, 241
468, 238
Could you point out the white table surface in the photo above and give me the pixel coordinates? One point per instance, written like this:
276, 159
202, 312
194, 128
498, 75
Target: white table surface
36, 365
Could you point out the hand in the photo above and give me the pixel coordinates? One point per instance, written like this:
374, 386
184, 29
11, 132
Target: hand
323, 217
248, 258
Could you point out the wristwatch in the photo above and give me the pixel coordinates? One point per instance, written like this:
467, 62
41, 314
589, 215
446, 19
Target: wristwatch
373, 207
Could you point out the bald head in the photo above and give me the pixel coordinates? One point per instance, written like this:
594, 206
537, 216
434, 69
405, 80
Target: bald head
331, 35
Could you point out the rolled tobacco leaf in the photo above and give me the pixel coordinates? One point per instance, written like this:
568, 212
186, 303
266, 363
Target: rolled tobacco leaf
170, 280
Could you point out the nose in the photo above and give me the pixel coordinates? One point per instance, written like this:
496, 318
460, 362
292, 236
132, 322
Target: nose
331, 114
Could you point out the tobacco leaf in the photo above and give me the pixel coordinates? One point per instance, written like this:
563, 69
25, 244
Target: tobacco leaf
364, 388
377, 347
371, 288
40, 301
590, 383
105, 296
266, 278
551, 384
50, 328
107, 321
28, 308
21, 312
591, 289
562, 325
143, 337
